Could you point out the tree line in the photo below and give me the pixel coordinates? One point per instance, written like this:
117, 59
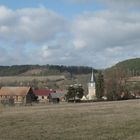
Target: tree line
46, 69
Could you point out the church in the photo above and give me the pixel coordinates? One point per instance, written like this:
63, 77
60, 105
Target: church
91, 89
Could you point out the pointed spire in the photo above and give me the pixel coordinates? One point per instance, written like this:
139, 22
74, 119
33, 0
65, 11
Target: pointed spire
92, 77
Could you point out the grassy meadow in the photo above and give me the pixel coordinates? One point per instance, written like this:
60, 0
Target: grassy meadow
119, 120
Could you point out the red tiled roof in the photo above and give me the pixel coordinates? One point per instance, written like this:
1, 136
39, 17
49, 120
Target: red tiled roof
43, 92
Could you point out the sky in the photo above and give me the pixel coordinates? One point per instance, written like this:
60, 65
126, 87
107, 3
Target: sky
97, 33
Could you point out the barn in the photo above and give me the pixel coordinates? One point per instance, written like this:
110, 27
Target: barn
21, 95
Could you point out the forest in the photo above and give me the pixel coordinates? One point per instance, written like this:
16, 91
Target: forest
45, 70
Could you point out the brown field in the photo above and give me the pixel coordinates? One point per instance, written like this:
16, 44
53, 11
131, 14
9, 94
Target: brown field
119, 120
5, 79
51, 81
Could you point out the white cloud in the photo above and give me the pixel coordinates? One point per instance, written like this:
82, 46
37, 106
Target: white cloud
41, 36
5, 13
22, 27
30, 24
79, 44
126, 3
122, 3
108, 36
107, 29
45, 51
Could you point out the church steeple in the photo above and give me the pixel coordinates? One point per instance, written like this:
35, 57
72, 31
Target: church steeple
91, 88
92, 77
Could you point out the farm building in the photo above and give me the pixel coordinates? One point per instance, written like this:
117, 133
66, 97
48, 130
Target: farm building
57, 97
21, 95
43, 94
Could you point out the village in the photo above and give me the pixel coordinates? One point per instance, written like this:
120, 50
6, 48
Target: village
26, 95
22, 95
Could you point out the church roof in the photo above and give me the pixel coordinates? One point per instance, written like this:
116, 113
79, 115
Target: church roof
92, 78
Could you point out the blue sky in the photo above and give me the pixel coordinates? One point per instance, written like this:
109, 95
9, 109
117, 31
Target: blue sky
68, 9
97, 33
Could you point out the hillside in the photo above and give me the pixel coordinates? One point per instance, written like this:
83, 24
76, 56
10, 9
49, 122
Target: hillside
42, 70
46, 76
123, 79
131, 66
58, 76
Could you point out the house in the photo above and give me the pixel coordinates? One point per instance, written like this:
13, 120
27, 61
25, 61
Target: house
43, 94
61, 94
57, 97
21, 95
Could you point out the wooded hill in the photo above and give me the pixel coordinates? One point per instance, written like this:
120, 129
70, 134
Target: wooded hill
45, 76
44, 70
121, 80
59, 77
130, 66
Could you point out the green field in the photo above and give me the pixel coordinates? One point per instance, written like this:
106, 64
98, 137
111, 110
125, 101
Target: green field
119, 120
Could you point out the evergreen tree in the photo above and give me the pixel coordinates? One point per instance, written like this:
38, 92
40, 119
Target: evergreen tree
79, 91
74, 92
71, 93
99, 85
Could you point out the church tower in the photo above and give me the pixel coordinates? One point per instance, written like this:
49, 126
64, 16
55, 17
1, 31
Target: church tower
91, 88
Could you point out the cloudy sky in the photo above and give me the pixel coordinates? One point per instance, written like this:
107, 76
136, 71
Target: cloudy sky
97, 33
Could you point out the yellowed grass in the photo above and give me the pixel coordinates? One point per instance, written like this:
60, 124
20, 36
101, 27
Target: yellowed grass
89, 121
